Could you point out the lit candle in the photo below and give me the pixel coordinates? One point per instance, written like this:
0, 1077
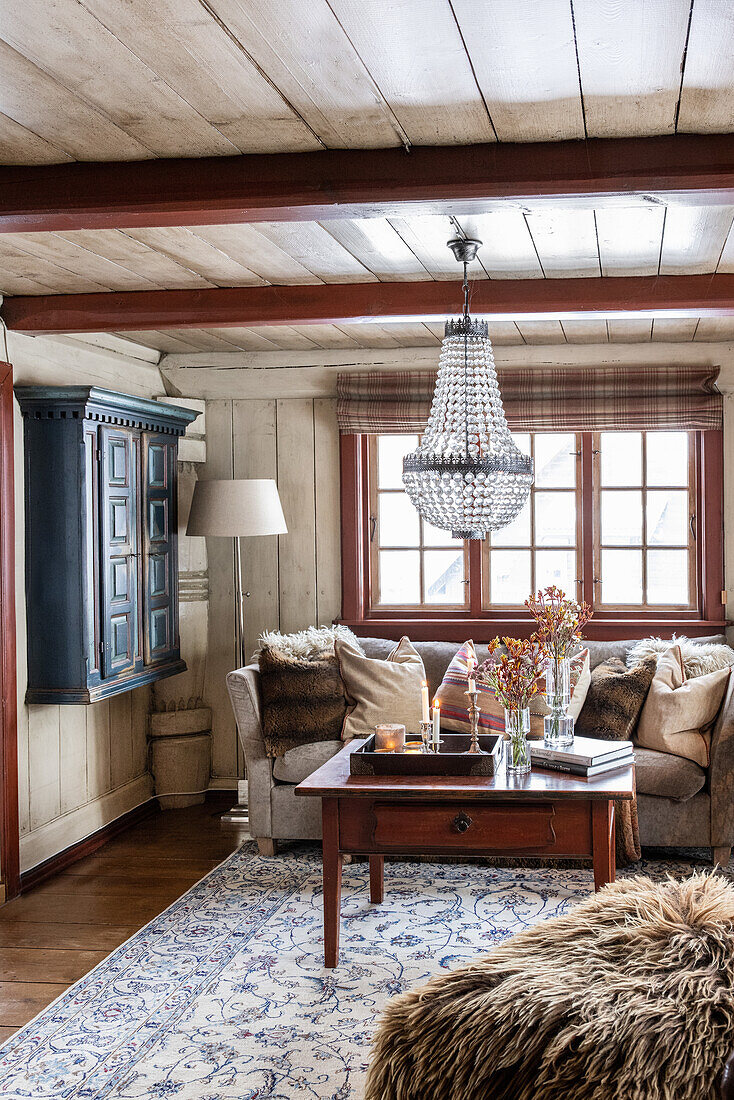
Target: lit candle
424, 702
436, 721
389, 737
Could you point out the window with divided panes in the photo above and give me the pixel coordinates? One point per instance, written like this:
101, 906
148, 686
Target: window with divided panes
632, 519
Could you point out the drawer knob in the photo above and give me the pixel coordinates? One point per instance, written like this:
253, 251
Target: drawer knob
461, 822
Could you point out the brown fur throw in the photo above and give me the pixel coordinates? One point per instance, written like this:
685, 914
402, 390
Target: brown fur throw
303, 700
629, 996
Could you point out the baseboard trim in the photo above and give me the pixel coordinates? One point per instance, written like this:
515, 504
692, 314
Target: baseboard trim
85, 847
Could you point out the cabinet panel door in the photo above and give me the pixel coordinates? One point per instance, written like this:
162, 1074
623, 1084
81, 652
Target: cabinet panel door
160, 520
120, 550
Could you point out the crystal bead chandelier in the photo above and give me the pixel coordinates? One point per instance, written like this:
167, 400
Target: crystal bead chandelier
467, 476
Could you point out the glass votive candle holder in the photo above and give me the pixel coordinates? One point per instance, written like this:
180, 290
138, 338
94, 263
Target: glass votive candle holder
390, 737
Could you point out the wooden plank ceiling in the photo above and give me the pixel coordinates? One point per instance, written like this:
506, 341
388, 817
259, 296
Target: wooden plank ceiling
101, 80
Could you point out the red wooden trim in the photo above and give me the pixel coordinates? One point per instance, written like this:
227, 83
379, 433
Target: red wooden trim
672, 295
352, 525
685, 168
9, 824
710, 522
481, 630
54, 865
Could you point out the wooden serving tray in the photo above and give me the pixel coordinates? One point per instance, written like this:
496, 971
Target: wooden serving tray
450, 760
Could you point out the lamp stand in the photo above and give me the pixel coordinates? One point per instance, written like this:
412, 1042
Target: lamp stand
239, 814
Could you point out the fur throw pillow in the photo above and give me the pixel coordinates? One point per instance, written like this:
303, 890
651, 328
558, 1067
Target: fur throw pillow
615, 698
303, 699
306, 644
698, 658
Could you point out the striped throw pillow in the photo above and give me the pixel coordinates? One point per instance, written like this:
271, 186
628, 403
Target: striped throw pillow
454, 702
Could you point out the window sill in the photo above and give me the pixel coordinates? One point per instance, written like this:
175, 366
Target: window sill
421, 628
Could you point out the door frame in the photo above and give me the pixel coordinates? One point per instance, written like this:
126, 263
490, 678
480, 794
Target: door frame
9, 826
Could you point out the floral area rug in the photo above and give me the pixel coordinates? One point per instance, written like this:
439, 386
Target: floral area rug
225, 995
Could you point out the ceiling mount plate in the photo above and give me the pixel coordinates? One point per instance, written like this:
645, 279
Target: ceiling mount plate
464, 248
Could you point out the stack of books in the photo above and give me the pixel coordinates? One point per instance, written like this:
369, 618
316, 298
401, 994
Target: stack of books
587, 756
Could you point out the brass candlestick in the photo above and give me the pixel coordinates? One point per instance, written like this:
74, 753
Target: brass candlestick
474, 719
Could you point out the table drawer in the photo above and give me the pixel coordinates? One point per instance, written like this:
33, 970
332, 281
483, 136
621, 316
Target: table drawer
501, 826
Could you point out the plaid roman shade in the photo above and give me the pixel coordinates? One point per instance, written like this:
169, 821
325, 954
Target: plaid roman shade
544, 399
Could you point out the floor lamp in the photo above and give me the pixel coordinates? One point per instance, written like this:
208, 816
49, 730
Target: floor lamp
236, 509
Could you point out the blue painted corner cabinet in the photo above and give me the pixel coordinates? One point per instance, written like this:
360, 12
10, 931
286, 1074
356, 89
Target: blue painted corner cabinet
101, 541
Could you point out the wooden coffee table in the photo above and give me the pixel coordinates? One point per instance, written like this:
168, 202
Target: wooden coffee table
544, 813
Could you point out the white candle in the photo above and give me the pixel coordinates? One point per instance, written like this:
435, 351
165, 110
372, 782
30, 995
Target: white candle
424, 702
470, 675
436, 721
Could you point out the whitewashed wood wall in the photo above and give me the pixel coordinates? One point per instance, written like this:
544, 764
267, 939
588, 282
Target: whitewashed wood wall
294, 580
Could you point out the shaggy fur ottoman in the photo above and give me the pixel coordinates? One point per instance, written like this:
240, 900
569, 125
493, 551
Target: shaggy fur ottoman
628, 996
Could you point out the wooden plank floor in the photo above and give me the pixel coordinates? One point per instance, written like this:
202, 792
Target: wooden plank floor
57, 932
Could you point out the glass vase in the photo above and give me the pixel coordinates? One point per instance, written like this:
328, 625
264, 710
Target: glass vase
517, 728
558, 725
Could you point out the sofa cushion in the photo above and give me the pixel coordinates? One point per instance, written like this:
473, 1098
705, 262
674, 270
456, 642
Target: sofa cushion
298, 763
667, 776
381, 690
303, 699
614, 700
679, 712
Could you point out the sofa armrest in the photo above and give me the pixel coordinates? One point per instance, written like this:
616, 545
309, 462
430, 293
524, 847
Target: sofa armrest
243, 686
721, 772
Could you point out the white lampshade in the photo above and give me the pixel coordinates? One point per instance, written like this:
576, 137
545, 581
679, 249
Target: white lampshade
236, 508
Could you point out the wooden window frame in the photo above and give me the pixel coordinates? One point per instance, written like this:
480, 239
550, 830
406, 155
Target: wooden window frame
708, 617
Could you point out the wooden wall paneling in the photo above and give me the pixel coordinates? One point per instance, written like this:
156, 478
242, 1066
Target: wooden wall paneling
714, 328
255, 447
566, 242
222, 85
256, 252
162, 341
500, 332
674, 328
694, 239
192, 252
326, 336
630, 239
31, 262
525, 63
99, 766
73, 757
297, 549
202, 339
439, 101
328, 511
416, 334
330, 88
286, 336
140, 700
707, 90
585, 332
127, 251
43, 764
317, 251
378, 247
221, 634
111, 79
9, 787
20, 143
370, 335
121, 739
59, 116
246, 339
631, 330
630, 56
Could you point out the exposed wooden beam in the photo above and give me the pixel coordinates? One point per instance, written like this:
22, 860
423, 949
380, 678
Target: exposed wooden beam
687, 168
509, 299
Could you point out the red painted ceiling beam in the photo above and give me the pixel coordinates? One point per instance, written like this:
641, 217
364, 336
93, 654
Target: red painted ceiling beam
516, 299
687, 168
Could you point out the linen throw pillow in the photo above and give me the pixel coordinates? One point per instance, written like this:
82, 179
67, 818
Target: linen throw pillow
679, 712
615, 699
303, 699
454, 703
380, 691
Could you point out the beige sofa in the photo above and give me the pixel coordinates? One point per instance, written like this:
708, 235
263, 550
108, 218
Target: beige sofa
679, 803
